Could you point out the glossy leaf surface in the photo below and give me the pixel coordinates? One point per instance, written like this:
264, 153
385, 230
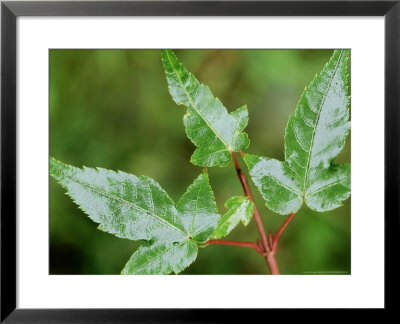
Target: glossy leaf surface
240, 210
197, 209
214, 131
315, 135
162, 258
137, 208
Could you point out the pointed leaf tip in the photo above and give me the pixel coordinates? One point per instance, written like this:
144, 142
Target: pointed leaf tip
314, 137
208, 124
137, 208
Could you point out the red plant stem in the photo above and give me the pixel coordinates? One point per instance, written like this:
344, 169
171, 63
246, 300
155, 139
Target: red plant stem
259, 244
270, 257
272, 264
270, 239
269, 246
248, 193
280, 231
245, 244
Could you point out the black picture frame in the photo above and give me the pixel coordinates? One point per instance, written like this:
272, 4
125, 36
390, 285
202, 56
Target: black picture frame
10, 10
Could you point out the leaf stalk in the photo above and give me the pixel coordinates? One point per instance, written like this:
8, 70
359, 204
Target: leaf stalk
269, 245
248, 193
237, 243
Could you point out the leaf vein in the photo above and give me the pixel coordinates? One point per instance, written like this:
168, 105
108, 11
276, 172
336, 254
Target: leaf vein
126, 202
158, 256
316, 123
195, 106
284, 185
326, 186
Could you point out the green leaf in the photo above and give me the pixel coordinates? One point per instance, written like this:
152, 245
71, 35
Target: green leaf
240, 210
214, 131
162, 258
197, 209
314, 137
137, 208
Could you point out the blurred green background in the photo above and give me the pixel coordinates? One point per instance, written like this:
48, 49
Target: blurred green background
112, 109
